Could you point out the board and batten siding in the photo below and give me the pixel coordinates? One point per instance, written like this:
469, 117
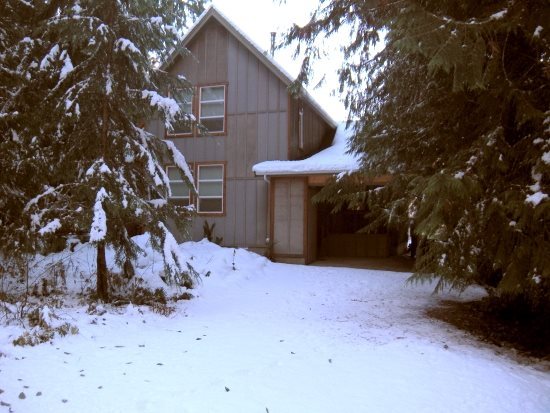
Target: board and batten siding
317, 132
257, 130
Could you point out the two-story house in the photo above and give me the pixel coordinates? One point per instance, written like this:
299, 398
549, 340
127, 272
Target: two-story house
241, 95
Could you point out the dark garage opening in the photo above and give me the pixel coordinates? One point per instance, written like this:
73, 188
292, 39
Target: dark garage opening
338, 236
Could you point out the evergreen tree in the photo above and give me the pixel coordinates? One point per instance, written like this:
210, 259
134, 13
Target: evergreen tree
457, 108
16, 163
92, 82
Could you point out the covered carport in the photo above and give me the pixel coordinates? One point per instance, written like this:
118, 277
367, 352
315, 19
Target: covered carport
303, 232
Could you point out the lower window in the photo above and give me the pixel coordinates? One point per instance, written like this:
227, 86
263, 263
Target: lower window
210, 187
181, 194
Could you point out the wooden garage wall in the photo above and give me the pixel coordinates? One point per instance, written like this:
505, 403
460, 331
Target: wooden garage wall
288, 214
257, 130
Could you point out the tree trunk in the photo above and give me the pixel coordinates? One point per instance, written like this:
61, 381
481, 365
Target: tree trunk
102, 276
102, 281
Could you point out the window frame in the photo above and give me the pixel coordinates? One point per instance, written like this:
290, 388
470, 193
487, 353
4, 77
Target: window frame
200, 102
223, 165
192, 128
177, 198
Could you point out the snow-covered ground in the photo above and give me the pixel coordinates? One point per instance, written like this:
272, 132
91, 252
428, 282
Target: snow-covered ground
271, 338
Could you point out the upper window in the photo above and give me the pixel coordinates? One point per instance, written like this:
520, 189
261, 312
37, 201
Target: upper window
185, 100
212, 108
210, 179
181, 193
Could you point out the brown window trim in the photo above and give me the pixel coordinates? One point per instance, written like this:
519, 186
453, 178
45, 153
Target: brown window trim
198, 110
224, 193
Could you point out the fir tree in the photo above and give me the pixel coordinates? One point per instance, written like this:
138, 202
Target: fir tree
16, 163
90, 72
457, 108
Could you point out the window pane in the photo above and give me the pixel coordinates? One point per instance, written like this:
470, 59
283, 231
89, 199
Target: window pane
187, 107
185, 99
180, 201
213, 125
179, 189
212, 93
182, 126
212, 109
210, 172
173, 174
210, 189
210, 205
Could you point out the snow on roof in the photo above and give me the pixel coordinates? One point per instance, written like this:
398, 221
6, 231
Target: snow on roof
332, 160
269, 61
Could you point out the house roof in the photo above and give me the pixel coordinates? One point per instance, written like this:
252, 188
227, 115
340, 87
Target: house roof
332, 160
278, 70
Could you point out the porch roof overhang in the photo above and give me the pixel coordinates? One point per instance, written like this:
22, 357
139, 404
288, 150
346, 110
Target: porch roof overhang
333, 160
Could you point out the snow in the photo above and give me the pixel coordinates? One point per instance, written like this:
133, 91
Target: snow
536, 186
157, 203
179, 160
67, 65
102, 29
536, 198
15, 136
123, 44
52, 54
104, 169
98, 230
168, 105
98, 166
51, 227
546, 157
173, 258
266, 337
537, 31
109, 85
334, 159
499, 15
48, 190
459, 175
77, 9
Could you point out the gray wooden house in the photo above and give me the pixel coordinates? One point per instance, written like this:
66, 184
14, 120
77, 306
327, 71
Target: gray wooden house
241, 95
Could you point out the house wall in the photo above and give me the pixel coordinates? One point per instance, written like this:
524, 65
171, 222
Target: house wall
289, 197
257, 130
317, 132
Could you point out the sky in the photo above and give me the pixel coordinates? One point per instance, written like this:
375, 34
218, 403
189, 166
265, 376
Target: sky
258, 18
